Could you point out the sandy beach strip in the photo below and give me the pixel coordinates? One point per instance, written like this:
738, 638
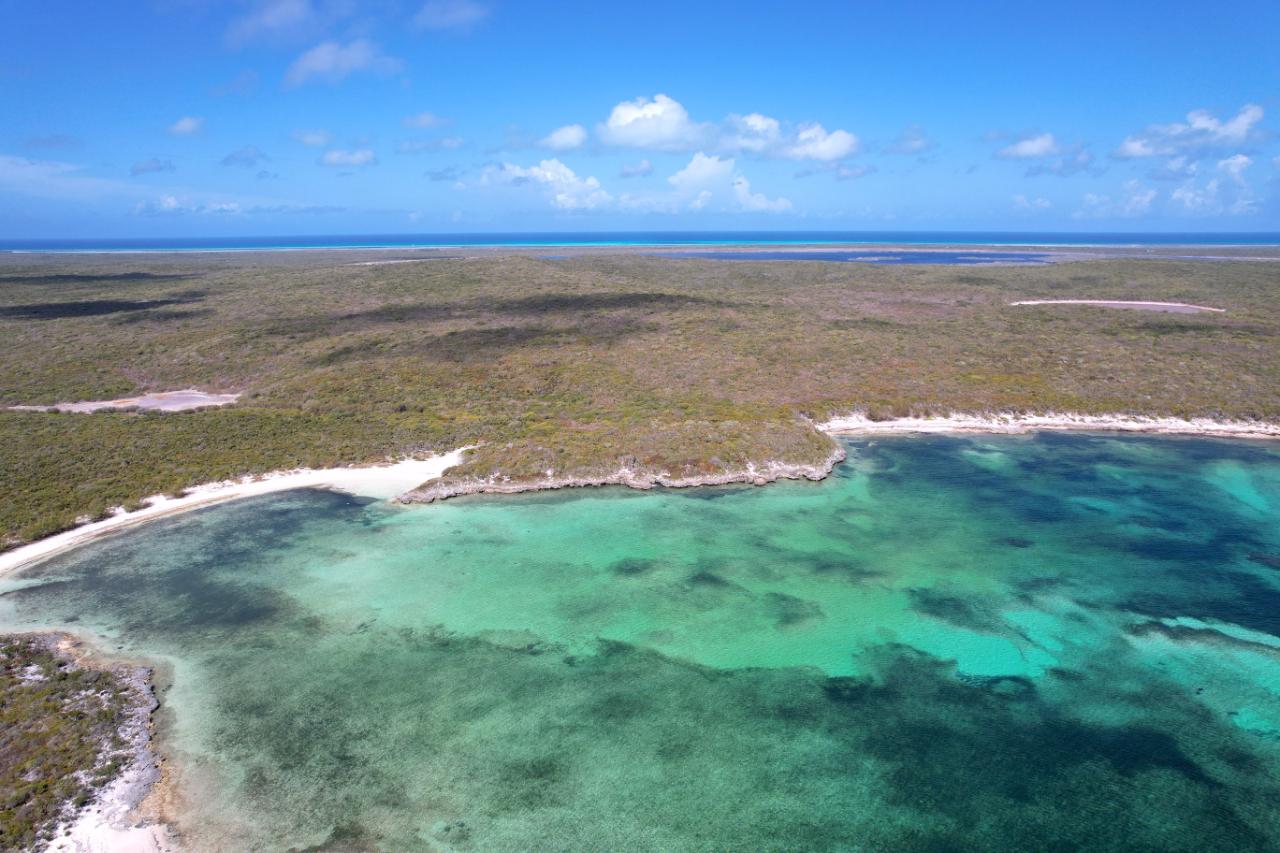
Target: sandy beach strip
377, 481
1167, 307
162, 401
1009, 423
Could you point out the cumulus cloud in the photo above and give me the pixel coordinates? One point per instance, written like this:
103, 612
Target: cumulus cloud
1038, 145
1228, 193
341, 157
752, 132
457, 15
313, 138
565, 138
709, 180
247, 157
562, 186
813, 142
911, 141
1133, 200
154, 164
660, 124
749, 201
1200, 133
637, 170
186, 126
333, 61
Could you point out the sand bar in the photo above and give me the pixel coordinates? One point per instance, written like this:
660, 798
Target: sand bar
1166, 307
162, 401
380, 481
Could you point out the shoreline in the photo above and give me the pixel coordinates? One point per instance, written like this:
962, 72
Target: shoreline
753, 474
376, 481
118, 821
858, 423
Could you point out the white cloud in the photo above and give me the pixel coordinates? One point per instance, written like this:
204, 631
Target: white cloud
1175, 169
660, 124
186, 126
340, 157
1228, 195
313, 138
663, 124
154, 164
565, 138
1200, 132
637, 170
1134, 200
424, 120
458, 15
752, 132
747, 200
272, 19
1040, 145
1021, 202
1235, 166
332, 61
702, 170
171, 205
813, 142
706, 178
563, 187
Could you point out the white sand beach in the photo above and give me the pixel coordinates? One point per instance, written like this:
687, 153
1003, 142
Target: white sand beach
858, 423
378, 481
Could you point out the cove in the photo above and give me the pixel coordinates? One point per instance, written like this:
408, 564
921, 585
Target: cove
953, 642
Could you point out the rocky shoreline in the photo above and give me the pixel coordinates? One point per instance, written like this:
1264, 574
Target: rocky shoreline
105, 816
752, 474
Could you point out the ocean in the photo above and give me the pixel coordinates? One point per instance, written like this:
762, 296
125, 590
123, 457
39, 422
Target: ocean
642, 238
954, 642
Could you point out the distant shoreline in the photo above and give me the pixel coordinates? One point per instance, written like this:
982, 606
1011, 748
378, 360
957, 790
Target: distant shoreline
643, 239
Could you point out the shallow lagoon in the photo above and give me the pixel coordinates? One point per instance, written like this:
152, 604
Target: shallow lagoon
980, 642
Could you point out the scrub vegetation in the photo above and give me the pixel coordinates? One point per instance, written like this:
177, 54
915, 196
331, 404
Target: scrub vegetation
578, 365
59, 738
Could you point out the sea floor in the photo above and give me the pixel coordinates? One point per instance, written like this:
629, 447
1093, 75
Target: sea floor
1026, 642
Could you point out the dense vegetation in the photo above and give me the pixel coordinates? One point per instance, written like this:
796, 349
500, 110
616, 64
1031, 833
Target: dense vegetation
59, 738
577, 365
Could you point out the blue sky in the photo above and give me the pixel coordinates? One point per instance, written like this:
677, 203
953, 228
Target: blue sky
264, 117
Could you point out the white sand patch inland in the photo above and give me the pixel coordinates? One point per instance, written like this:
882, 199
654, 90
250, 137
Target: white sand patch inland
1166, 307
859, 424
383, 482
162, 401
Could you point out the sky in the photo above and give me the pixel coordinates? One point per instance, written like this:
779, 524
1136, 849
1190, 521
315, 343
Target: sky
176, 118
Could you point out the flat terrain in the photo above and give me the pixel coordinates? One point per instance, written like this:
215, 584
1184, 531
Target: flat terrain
578, 365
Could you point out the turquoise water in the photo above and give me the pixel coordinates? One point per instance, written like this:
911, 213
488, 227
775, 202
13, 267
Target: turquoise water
644, 238
981, 643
